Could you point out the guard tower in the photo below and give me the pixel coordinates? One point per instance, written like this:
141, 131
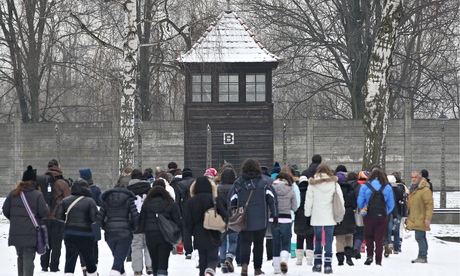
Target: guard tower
228, 88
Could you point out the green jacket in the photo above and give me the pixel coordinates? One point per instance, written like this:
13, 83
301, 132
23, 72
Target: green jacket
420, 207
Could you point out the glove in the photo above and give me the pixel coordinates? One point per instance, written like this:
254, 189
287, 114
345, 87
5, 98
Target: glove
275, 222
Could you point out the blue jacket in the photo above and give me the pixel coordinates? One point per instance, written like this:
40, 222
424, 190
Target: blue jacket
365, 194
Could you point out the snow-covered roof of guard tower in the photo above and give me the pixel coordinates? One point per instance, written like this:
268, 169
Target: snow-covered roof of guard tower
228, 39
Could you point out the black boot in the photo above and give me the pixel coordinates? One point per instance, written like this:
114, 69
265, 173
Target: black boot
349, 255
369, 260
340, 257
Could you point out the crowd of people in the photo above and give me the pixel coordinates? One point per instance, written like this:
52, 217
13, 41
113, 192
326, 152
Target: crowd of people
278, 203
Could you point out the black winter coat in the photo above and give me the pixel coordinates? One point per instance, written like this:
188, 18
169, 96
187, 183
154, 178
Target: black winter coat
185, 183
118, 215
302, 223
262, 201
197, 205
347, 226
22, 231
158, 205
83, 213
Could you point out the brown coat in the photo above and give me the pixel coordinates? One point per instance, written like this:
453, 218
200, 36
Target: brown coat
420, 206
60, 189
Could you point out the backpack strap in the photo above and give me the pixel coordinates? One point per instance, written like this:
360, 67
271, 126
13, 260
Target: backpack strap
368, 184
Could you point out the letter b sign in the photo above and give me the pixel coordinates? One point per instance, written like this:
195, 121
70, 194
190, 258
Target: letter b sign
229, 138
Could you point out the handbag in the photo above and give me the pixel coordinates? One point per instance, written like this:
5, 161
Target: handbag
238, 220
358, 218
212, 219
337, 206
42, 231
169, 230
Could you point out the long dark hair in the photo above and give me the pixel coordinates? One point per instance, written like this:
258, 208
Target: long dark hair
285, 176
378, 174
159, 189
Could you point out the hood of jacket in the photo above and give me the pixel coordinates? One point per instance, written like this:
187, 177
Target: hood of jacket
320, 179
80, 188
157, 203
116, 197
281, 187
138, 186
203, 186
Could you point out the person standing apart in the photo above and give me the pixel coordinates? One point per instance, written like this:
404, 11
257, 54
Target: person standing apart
420, 214
79, 212
318, 206
22, 234
282, 233
376, 199
118, 217
251, 183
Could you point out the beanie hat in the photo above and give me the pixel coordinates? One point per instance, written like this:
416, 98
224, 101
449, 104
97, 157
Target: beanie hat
137, 174
29, 174
341, 168
187, 172
276, 168
342, 177
211, 172
362, 175
86, 174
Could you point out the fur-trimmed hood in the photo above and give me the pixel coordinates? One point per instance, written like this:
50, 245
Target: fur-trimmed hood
323, 182
213, 188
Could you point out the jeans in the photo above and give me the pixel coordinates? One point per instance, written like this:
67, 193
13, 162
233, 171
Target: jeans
26, 256
281, 238
395, 232
119, 250
420, 237
55, 235
159, 251
139, 253
247, 239
228, 246
329, 234
76, 245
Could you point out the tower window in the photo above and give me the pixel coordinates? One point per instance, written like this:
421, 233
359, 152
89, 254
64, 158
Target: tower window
201, 88
228, 88
255, 87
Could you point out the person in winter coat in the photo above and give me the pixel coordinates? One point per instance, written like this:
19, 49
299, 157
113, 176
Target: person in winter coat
394, 219
165, 177
55, 227
302, 227
375, 227
318, 206
87, 175
420, 214
207, 242
140, 186
358, 237
119, 218
282, 234
186, 182
315, 162
262, 200
227, 251
158, 201
343, 231
22, 234
79, 212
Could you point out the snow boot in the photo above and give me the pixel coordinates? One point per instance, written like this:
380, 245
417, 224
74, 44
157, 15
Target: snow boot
244, 269
348, 255
327, 269
299, 255
276, 265
309, 256
284, 261
229, 262
316, 268
369, 260
340, 257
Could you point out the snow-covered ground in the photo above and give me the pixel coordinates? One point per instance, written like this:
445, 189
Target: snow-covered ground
443, 257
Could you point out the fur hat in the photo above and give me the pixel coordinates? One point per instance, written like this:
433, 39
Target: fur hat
187, 172
29, 174
341, 177
86, 174
211, 172
276, 168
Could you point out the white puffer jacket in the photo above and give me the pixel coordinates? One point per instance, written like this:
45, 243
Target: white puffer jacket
318, 201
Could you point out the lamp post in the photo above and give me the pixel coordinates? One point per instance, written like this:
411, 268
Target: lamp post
443, 118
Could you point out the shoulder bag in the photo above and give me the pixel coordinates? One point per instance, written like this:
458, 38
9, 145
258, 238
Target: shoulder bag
71, 205
214, 221
238, 220
337, 206
42, 231
169, 230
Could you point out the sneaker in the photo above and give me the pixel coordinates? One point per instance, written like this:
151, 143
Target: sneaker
149, 270
188, 256
138, 273
316, 268
369, 260
229, 264
327, 270
419, 261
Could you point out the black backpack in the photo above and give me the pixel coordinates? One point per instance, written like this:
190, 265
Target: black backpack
376, 207
46, 182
